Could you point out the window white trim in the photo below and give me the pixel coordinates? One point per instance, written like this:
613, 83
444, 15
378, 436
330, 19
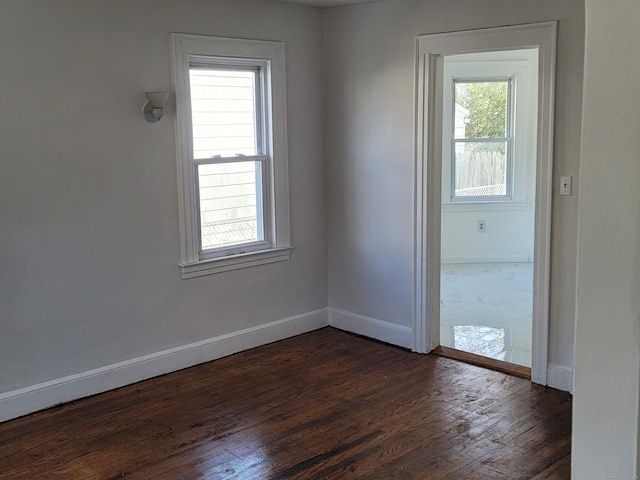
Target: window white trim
235, 262
186, 49
520, 66
484, 206
507, 139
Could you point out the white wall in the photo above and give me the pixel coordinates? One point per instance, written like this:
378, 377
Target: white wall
89, 244
509, 232
508, 236
369, 52
607, 355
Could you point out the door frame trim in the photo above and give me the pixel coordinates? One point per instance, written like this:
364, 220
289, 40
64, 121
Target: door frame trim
429, 50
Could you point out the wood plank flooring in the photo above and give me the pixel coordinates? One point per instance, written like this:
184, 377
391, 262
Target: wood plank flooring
324, 405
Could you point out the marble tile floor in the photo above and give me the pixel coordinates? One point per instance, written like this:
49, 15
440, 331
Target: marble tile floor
486, 309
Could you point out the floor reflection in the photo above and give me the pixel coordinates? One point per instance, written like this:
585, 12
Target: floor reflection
481, 340
486, 309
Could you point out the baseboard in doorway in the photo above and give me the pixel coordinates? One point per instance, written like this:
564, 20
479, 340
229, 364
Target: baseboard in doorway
560, 378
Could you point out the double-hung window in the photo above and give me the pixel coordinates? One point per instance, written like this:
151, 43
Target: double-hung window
482, 125
232, 159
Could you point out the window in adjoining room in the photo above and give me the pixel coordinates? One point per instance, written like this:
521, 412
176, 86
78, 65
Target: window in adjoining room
482, 140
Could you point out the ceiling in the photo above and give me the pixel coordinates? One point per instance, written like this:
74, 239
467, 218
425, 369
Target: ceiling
328, 3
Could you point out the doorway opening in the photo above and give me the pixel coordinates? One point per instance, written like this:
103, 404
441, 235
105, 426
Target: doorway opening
483, 192
489, 113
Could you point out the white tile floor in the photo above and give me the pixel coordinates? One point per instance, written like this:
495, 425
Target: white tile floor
485, 308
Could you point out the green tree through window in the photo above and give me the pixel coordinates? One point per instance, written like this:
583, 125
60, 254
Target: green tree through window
487, 105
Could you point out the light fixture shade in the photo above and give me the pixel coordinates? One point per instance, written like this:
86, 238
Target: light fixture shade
157, 99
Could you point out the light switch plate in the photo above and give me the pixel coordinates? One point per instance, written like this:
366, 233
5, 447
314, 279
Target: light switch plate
565, 185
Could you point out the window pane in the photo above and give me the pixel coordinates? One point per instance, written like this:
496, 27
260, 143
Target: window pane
480, 169
223, 110
229, 207
481, 109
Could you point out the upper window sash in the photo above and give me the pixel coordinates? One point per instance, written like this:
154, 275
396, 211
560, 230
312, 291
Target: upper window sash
253, 68
508, 113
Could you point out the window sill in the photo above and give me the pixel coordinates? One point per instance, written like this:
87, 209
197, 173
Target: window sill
484, 206
235, 262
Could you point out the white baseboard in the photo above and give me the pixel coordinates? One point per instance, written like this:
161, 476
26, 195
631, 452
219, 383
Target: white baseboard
489, 259
560, 378
371, 327
47, 394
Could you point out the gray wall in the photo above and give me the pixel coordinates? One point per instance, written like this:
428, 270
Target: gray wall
607, 360
89, 244
369, 51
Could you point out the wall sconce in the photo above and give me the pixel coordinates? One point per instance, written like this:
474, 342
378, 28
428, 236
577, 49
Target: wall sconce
154, 110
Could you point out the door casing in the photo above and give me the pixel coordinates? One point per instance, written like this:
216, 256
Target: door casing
430, 50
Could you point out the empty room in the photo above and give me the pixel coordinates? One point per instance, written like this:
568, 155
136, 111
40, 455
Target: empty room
238, 238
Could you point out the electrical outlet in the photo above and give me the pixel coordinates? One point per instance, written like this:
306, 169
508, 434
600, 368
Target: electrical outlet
482, 226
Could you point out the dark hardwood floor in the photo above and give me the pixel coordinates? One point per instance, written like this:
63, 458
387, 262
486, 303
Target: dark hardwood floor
325, 405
